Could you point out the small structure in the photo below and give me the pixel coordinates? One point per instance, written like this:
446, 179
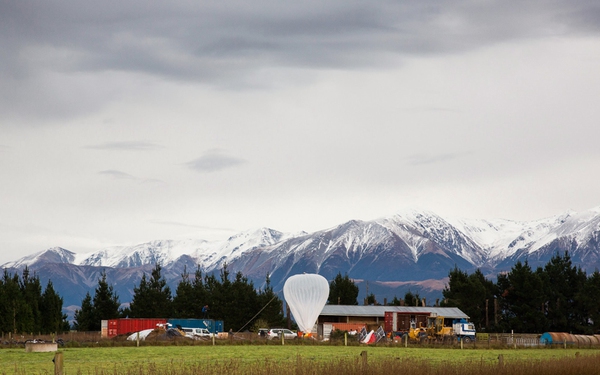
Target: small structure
39, 347
352, 317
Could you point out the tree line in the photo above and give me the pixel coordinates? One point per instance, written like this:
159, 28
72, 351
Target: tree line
558, 297
26, 308
234, 300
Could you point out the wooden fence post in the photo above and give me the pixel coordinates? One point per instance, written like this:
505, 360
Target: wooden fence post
58, 363
363, 355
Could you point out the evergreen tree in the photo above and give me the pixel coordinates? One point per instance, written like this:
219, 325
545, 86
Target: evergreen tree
272, 306
200, 294
219, 296
590, 303
342, 291
184, 304
521, 300
54, 321
213, 289
470, 293
562, 283
411, 299
105, 303
152, 299
11, 309
242, 304
84, 317
30, 316
396, 302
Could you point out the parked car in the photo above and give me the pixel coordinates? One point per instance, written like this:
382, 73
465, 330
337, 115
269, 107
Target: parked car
275, 333
196, 332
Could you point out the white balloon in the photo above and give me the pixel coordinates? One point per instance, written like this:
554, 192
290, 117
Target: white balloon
306, 294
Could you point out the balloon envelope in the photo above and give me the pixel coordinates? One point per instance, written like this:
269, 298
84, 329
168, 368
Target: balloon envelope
306, 294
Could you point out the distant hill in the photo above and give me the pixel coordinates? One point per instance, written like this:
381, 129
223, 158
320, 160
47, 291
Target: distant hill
412, 250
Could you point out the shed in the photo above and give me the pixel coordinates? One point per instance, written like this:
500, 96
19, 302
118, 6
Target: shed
376, 314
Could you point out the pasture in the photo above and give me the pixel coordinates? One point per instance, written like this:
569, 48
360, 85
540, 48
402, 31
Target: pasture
301, 360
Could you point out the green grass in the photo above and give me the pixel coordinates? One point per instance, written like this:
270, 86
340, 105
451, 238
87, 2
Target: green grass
236, 359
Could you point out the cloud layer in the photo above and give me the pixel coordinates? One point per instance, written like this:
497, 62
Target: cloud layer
124, 122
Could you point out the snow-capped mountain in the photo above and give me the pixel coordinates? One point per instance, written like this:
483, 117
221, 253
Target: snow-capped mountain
408, 248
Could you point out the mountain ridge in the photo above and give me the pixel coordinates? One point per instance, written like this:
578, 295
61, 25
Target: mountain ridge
390, 253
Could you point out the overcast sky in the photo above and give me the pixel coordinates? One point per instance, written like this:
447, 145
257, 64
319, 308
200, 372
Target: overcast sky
123, 122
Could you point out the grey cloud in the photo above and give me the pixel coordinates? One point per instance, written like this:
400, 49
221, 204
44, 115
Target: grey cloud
117, 174
421, 159
213, 161
46, 45
125, 146
126, 176
211, 40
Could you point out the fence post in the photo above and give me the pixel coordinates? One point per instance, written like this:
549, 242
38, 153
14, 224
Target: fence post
58, 363
363, 355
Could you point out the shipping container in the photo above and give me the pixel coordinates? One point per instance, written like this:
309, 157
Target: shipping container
130, 325
213, 326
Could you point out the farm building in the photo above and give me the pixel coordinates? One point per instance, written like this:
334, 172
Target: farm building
354, 317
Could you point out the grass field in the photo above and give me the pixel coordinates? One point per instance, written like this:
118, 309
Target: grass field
297, 359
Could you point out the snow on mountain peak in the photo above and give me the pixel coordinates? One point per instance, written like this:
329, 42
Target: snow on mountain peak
53, 255
479, 242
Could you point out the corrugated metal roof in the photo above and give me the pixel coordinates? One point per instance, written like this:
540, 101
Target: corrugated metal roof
350, 310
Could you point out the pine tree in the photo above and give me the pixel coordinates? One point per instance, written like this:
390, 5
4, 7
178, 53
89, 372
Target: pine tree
411, 299
243, 303
470, 293
11, 309
201, 297
562, 283
272, 306
105, 303
342, 291
521, 300
84, 317
152, 298
184, 304
54, 321
31, 315
590, 303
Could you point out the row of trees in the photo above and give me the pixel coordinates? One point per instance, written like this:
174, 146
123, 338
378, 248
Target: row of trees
24, 307
236, 301
557, 297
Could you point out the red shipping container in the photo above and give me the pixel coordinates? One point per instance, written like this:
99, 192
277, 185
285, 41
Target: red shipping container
130, 325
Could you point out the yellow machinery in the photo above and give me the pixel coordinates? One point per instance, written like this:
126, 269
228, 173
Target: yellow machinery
437, 329
417, 333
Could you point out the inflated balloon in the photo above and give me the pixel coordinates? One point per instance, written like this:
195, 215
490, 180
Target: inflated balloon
306, 294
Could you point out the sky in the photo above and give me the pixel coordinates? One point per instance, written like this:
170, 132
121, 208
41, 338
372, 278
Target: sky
123, 122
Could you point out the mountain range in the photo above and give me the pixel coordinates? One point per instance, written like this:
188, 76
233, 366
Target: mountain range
412, 250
